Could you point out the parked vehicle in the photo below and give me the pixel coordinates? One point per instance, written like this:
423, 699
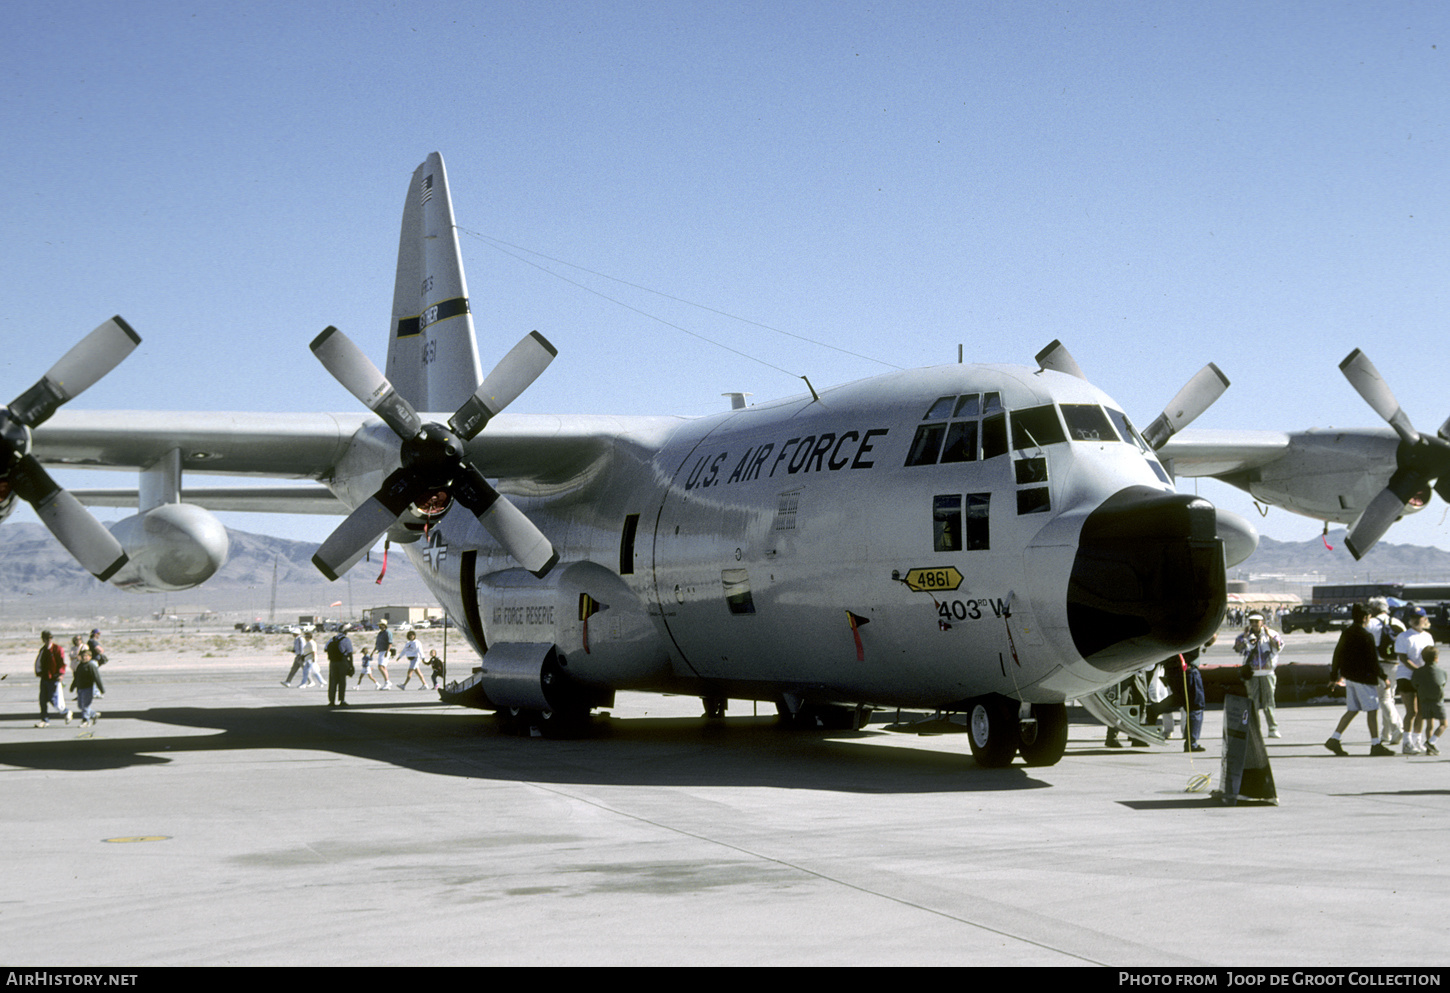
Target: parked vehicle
1321, 617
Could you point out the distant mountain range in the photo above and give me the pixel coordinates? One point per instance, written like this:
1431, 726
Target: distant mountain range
39, 578
1386, 562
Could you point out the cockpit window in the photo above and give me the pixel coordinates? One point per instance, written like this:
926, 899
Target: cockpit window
961, 442
1087, 422
1036, 427
969, 405
941, 410
1126, 429
926, 445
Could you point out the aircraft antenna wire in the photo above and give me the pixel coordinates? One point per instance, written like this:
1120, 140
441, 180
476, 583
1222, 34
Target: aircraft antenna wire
503, 246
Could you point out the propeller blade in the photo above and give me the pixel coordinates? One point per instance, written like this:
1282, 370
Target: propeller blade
1386, 507
77, 371
508, 525
1058, 359
1370, 385
1373, 522
524, 363
1206, 386
351, 367
356, 535
86, 538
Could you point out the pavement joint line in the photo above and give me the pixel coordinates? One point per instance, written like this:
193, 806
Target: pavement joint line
600, 805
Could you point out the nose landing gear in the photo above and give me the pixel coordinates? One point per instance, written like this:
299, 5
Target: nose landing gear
998, 730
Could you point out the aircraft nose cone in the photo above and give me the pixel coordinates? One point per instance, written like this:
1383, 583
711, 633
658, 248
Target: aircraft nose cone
1148, 580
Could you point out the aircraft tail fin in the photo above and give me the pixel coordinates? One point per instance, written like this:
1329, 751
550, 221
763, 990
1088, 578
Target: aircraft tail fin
432, 351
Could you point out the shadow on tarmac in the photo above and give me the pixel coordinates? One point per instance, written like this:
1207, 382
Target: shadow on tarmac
640, 751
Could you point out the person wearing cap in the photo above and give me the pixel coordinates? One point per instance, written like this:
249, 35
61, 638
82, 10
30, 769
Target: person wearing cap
1356, 665
1408, 648
1260, 648
339, 666
98, 654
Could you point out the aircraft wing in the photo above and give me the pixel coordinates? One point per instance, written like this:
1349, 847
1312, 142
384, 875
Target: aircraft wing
1222, 453
1329, 475
545, 450
285, 446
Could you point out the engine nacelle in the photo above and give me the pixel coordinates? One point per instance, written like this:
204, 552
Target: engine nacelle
1328, 475
171, 547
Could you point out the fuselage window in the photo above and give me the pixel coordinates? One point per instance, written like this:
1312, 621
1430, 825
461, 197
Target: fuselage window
1033, 498
1031, 471
1033, 501
926, 446
946, 523
1087, 422
1036, 427
979, 531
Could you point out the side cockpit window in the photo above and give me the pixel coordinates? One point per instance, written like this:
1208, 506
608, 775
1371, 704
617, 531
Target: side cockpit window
962, 428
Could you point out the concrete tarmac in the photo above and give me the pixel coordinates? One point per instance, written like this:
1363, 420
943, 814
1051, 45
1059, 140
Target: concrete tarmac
214, 818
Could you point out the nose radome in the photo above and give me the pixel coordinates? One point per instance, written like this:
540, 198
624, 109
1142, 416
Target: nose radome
1148, 580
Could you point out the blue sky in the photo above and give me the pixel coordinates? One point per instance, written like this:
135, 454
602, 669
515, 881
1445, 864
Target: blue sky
1263, 185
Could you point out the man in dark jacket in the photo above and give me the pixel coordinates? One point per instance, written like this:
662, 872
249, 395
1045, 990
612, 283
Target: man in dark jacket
1356, 663
85, 684
339, 667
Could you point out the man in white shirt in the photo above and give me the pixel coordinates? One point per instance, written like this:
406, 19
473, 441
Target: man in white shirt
1408, 647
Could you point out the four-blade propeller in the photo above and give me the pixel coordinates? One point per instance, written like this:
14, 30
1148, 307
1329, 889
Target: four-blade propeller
83, 536
434, 456
1420, 459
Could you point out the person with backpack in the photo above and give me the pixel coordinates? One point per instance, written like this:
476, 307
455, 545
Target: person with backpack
50, 667
339, 667
1385, 629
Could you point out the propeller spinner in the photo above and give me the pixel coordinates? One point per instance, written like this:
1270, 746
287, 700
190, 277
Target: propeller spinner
434, 455
76, 528
1420, 460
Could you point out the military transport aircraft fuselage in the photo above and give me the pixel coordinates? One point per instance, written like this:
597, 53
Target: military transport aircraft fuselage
984, 539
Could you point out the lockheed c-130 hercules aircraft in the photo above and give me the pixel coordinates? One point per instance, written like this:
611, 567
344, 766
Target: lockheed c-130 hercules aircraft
987, 540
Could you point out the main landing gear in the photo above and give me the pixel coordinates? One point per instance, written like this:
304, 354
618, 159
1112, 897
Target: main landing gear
997, 732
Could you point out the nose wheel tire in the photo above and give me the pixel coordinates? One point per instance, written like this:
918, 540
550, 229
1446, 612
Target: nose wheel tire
992, 726
1049, 737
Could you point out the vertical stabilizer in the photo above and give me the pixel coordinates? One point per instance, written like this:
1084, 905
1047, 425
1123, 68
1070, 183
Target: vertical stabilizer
433, 354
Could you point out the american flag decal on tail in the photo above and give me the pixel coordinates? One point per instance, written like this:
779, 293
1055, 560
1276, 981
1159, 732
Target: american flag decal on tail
427, 190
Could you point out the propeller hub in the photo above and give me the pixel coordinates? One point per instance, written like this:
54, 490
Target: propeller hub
14, 438
433, 447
